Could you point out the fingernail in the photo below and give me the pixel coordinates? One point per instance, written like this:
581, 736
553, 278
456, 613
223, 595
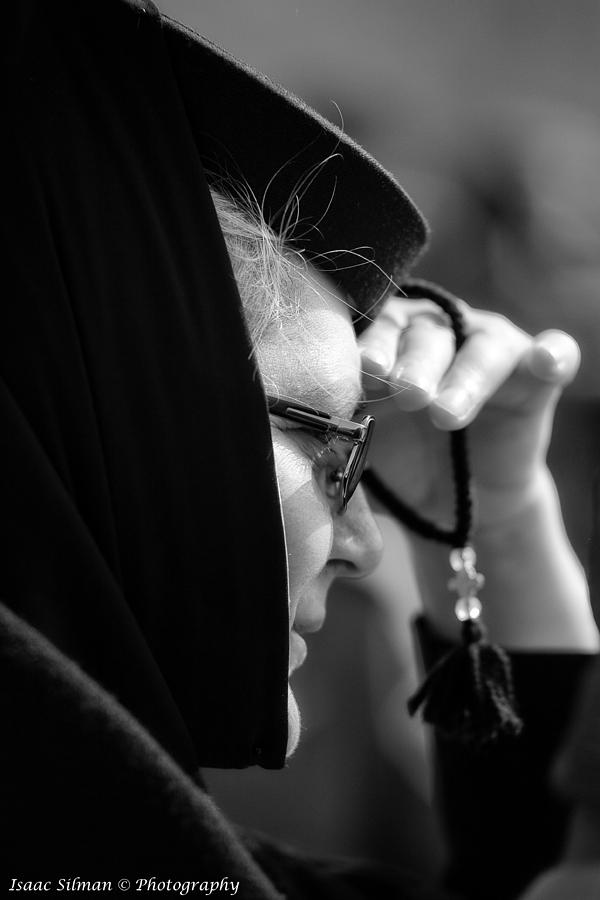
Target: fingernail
404, 377
557, 364
555, 357
377, 359
455, 401
550, 366
415, 390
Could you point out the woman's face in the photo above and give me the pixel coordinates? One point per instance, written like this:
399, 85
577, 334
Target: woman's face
315, 360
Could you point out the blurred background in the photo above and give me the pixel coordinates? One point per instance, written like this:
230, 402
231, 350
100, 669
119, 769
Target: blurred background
488, 113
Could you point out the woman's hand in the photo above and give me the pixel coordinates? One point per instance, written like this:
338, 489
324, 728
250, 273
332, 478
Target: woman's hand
502, 382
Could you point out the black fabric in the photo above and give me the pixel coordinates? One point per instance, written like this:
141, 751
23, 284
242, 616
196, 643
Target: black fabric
498, 803
248, 128
134, 439
577, 774
135, 445
85, 790
299, 876
578, 767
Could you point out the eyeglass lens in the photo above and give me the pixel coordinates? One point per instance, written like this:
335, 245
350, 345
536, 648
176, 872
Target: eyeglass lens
355, 466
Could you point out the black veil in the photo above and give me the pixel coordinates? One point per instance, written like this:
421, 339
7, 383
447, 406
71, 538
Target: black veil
141, 530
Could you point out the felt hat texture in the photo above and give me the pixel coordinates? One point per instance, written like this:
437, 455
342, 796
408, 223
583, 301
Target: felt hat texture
355, 221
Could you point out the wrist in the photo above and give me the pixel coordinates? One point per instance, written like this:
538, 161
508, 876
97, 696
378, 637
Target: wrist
503, 509
535, 595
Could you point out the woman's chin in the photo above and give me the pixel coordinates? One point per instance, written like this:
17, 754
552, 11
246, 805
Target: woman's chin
294, 724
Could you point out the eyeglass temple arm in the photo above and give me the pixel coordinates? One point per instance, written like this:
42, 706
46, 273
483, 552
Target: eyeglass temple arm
318, 423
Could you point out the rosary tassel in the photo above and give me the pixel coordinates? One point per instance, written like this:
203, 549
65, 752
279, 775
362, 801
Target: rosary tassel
468, 695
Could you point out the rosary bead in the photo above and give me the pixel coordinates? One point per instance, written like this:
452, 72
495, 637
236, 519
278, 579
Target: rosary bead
467, 608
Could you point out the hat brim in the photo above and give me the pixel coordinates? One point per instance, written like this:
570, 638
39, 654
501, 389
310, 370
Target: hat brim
351, 218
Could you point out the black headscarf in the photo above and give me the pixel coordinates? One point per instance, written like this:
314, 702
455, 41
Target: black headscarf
140, 524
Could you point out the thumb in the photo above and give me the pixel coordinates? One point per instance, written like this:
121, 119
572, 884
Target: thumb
553, 358
547, 367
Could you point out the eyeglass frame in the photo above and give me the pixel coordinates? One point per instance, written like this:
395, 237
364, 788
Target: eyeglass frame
359, 433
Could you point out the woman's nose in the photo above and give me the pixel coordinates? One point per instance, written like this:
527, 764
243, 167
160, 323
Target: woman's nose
357, 540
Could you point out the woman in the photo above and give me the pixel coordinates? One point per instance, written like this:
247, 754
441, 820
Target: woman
307, 351
146, 627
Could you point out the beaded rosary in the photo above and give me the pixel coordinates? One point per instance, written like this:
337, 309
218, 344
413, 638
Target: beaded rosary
468, 694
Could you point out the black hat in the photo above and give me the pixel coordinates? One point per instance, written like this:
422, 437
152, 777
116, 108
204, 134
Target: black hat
249, 128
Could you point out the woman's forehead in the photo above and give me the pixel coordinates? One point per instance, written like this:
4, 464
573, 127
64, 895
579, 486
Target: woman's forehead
337, 396
315, 358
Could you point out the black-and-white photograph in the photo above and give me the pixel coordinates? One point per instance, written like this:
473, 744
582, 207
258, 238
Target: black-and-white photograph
300, 442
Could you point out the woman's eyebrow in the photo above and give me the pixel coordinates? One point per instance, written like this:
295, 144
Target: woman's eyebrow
341, 398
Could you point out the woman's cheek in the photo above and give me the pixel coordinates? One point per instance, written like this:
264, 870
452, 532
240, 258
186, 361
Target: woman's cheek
293, 468
306, 517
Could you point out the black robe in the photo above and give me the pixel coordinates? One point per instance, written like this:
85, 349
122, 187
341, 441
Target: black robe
88, 792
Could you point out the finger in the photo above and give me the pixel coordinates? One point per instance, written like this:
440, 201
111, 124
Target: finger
482, 364
554, 358
379, 343
425, 353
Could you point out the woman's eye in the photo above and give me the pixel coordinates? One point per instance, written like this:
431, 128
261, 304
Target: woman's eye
328, 457
328, 465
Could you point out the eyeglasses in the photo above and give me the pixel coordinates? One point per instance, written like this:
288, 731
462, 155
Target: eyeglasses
359, 433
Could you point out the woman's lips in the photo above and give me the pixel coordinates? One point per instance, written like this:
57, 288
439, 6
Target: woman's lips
297, 651
309, 618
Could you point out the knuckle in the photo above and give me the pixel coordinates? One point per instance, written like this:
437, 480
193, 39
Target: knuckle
469, 376
432, 320
500, 327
